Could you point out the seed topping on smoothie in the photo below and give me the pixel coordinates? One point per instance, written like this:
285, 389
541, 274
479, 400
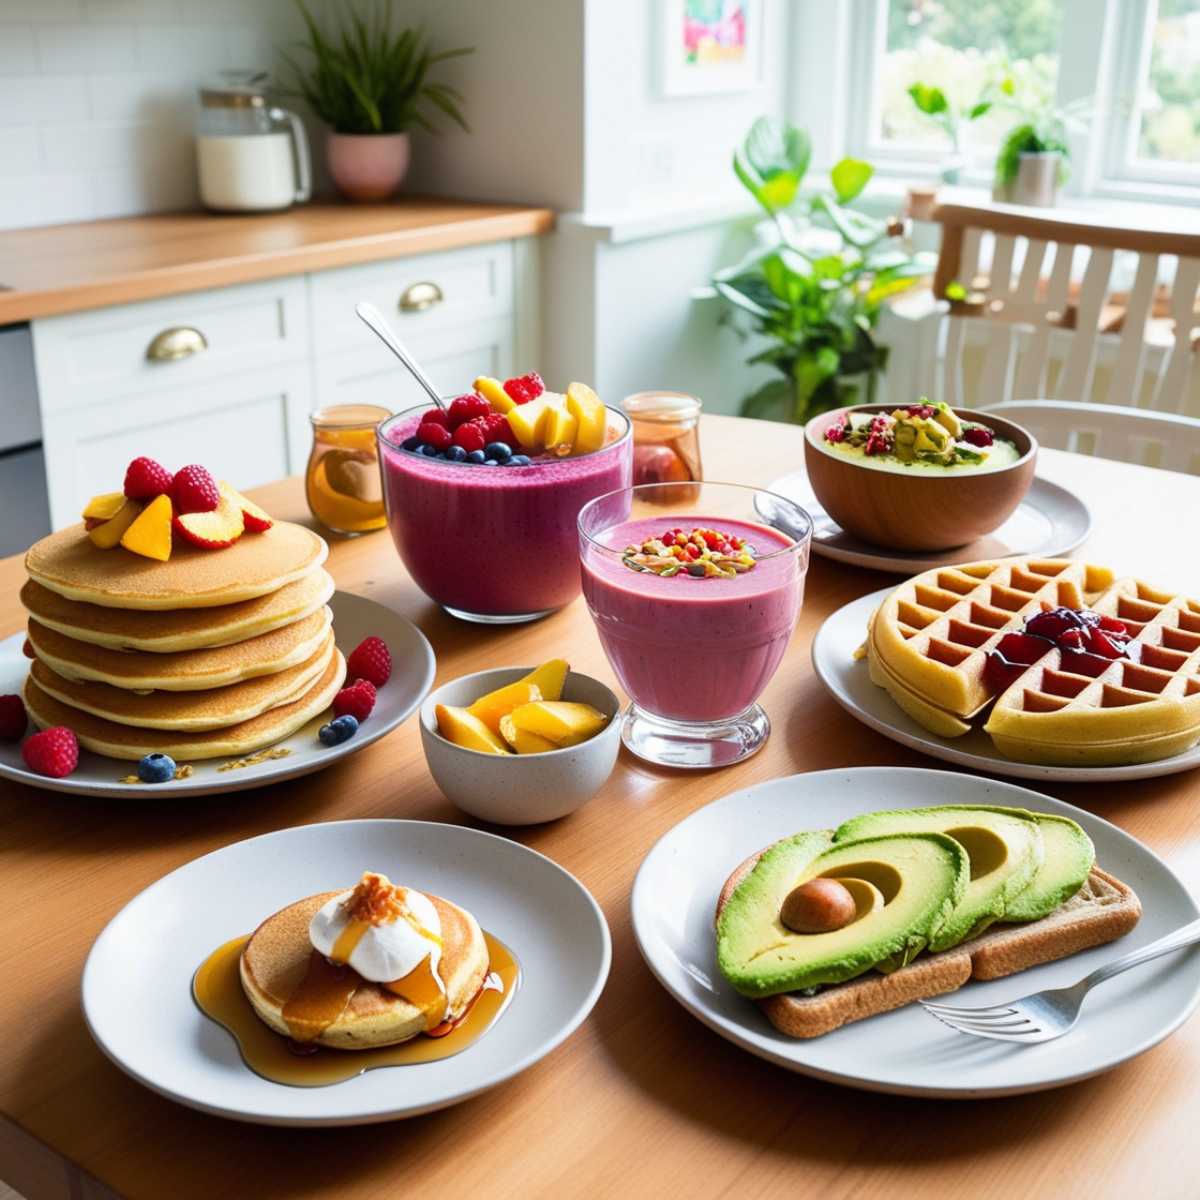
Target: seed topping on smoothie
701, 554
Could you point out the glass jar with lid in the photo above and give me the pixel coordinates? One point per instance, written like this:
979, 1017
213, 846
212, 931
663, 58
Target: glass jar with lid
252, 155
666, 437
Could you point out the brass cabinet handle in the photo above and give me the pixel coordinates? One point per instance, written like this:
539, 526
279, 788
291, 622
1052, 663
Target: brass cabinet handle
417, 297
180, 341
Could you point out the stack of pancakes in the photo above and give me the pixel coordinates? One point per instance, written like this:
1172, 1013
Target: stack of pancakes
212, 653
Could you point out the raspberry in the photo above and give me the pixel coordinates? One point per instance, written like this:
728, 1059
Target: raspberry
924, 411
12, 719
837, 432
467, 408
145, 479
469, 437
53, 752
436, 416
977, 435
525, 387
437, 436
358, 699
495, 428
371, 660
194, 490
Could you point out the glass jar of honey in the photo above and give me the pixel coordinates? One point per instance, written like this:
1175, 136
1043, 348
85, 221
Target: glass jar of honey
666, 437
342, 482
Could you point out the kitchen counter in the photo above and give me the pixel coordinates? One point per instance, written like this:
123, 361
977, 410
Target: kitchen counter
68, 268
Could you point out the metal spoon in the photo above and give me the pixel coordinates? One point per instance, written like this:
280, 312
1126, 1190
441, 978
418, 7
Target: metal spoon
372, 318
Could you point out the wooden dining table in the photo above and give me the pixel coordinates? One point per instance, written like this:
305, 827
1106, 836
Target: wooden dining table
642, 1100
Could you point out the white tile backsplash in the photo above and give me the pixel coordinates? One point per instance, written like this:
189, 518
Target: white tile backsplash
98, 98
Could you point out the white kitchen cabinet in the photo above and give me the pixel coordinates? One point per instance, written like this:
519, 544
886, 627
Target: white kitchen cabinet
266, 356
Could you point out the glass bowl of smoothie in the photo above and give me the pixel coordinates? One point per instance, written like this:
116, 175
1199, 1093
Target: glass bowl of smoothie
695, 599
489, 543
918, 477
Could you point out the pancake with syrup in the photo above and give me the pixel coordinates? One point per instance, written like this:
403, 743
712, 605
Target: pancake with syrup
187, 670
68, 563
167, 632
116, 740
343, 1010
193, 712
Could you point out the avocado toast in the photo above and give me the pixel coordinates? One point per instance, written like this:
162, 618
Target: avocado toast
951, 893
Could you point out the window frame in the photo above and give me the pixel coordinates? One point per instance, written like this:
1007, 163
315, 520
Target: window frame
1106, 56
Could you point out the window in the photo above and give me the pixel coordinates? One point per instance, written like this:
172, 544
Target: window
1119, 79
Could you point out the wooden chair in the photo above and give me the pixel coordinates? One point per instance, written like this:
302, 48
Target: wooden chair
1026, 305
1130, 435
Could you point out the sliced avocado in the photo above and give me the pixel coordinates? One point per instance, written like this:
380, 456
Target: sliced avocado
1065, 867
1004, 846
922, 877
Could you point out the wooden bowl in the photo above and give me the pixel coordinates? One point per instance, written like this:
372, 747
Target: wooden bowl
911, 509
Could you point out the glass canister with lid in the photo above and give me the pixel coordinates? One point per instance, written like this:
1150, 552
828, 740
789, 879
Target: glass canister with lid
252, 155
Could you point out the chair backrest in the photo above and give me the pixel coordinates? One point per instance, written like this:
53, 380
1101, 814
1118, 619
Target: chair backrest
1109, 431
1027, 294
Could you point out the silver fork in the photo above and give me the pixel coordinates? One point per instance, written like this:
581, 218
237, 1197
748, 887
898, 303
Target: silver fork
1046, 1015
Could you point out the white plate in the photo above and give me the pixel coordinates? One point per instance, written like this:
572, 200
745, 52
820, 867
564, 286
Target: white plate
849, 682
907, 1051
354, 618
1049, 521
137, 983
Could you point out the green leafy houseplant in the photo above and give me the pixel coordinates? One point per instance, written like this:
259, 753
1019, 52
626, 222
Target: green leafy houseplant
1040, 129
932, 101
367, 80
816, 288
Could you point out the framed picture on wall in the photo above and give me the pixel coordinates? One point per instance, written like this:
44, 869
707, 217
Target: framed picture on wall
710, 46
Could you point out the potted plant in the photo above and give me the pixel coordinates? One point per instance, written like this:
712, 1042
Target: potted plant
371, 87
1031, 164
933, 102
814, 288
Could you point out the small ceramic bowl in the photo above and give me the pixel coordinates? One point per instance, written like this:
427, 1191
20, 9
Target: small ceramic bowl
520, 789
914, 509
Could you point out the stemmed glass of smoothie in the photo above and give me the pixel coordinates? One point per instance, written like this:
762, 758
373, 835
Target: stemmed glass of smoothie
695, 599
495, 544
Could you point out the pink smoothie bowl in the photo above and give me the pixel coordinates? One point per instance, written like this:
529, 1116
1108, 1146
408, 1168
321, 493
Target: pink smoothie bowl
495, 544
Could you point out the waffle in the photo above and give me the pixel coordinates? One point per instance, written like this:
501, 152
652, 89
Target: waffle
929, 640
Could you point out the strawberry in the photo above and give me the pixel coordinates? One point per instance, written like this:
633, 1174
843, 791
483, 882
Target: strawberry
254, 518
525, 387
12, 719
194, 490
469, 437
145, 479
357, 700
467, 408
212, 530
53, 752
370, 660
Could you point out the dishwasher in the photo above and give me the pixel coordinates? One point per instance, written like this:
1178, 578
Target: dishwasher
24, 504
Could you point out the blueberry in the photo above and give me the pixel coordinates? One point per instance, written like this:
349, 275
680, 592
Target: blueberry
156, 768
518, 460
455, 453
476, 456
490, 462
429, 451
339, 730
410, 443
500, 451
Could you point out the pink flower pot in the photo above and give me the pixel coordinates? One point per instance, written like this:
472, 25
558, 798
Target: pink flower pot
367, 166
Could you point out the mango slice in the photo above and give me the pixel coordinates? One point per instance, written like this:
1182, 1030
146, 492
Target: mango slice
549, 678
492, 390
521, 740
106, 536
588, 410
528, 423
559, 432
562, 722
490, 709
104, 507
463, 728
150, 533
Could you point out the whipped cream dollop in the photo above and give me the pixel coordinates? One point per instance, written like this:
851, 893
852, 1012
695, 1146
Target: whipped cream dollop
385, 932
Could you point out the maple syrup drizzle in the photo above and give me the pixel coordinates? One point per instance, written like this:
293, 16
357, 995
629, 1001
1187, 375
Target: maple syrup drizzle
348, 939
422, 988
217, 989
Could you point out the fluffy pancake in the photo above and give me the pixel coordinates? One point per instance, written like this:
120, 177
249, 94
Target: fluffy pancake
187, 670
276, 958
169, 632
192, 712
127, 742
256, 564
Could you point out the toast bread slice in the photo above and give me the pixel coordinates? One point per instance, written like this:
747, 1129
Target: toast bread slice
1103, 910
